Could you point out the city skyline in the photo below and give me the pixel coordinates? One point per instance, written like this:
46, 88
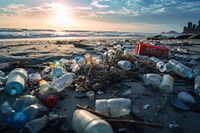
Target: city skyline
102, 15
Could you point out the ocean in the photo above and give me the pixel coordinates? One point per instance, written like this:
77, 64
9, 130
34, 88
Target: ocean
8, 33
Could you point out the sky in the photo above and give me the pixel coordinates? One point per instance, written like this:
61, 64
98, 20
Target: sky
151, 16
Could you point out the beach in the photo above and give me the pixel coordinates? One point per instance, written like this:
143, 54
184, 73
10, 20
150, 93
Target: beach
36, 52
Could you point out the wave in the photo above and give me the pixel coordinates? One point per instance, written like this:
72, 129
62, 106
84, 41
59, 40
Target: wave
9, 33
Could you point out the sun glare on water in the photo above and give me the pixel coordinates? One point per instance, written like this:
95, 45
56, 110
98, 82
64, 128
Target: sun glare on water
62, 16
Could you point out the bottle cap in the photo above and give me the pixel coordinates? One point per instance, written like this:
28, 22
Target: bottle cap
51, 101
13, 91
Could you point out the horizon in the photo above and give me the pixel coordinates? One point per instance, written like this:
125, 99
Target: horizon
100, 15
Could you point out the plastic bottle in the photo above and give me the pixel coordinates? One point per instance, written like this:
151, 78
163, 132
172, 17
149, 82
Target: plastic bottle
114, 107
197, 85
24, 101
56, 70
60, 83
85, 122
35, 111
6, 109
43, 83
152, 79
126, 65
88, 59
76, 66
160, 65
48, 96
16, 82
21, 111
180, 69
167, 83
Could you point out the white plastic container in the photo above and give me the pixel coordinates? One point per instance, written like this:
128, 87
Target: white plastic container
85, 122
197, 85
167, 83
114, 107
126, 65
152, 79
60, 83
16, 82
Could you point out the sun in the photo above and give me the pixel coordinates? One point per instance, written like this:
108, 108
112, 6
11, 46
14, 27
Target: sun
61, 16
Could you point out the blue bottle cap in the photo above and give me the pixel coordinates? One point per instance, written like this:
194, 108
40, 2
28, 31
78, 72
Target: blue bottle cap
13, 91
190, 75
129, 65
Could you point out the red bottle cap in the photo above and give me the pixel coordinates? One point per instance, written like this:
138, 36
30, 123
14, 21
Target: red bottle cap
51, 101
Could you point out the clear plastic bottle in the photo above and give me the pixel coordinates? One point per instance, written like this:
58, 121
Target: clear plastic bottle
180, 69
60, 83
160, 65
24, 101
152, 79
126, 65
119, 106
16, 82
197, 85
85, 122
114, 107
167, 83
48, 96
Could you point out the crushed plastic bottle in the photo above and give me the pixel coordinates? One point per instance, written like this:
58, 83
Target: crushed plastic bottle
179, 69
126, 65
114, 107
16, 82
85, 122
60, 83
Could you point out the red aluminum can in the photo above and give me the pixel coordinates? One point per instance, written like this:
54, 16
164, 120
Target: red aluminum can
151, 50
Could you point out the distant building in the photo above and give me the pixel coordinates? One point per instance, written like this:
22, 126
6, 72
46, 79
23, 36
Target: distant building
192, 28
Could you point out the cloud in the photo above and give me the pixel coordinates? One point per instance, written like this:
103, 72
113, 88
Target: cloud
84, 8
159, 11
97, 5
16, 6
190, 7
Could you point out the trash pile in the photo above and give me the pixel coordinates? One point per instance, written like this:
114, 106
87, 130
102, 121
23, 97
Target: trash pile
155, 66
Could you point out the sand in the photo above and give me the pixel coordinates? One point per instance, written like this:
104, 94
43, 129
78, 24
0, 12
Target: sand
36, 52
